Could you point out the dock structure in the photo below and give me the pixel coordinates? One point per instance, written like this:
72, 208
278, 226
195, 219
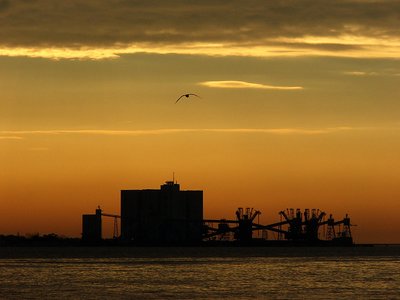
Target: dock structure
310, 227
171, 216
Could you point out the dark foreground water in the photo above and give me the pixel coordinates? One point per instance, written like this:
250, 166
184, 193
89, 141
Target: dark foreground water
203, 273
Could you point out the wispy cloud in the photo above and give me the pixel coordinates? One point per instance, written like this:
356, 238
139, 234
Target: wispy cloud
10, 137
232, 84
287, 131
384, 72
361, 73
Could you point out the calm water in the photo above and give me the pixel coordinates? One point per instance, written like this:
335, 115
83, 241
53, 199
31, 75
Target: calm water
204, 273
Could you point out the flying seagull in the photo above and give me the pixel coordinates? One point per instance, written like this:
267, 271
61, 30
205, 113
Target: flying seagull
187, 96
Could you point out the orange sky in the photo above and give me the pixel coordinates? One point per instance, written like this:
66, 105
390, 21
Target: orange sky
291, 114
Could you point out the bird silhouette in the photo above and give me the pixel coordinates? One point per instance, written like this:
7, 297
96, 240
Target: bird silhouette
187, 96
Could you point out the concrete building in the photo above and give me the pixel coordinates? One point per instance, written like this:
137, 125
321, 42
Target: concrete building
91, 227
167, 215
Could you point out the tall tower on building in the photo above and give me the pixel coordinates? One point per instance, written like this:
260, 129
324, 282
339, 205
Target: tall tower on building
91, 227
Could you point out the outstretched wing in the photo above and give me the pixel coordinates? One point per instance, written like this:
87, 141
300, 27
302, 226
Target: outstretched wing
194, 95
179, 98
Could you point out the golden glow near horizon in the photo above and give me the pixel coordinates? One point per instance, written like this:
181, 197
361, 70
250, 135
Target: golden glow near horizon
299, 108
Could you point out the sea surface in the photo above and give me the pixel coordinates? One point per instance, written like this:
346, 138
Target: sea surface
200, 273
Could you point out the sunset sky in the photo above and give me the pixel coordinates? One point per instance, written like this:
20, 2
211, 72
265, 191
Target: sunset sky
299, 107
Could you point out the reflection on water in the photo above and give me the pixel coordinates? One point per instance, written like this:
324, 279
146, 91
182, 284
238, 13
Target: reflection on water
186, 273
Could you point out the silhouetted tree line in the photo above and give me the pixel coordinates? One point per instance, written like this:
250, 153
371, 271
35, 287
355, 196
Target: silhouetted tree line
36, 239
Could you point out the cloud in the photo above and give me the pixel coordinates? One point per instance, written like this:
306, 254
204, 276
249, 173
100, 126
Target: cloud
4, 5
92, 29
361, 73
382, 72
8, 137
147, 132
232, 84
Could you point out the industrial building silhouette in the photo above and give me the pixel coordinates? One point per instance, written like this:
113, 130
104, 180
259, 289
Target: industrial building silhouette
91, 226
171, 216
167, 215
152, 216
